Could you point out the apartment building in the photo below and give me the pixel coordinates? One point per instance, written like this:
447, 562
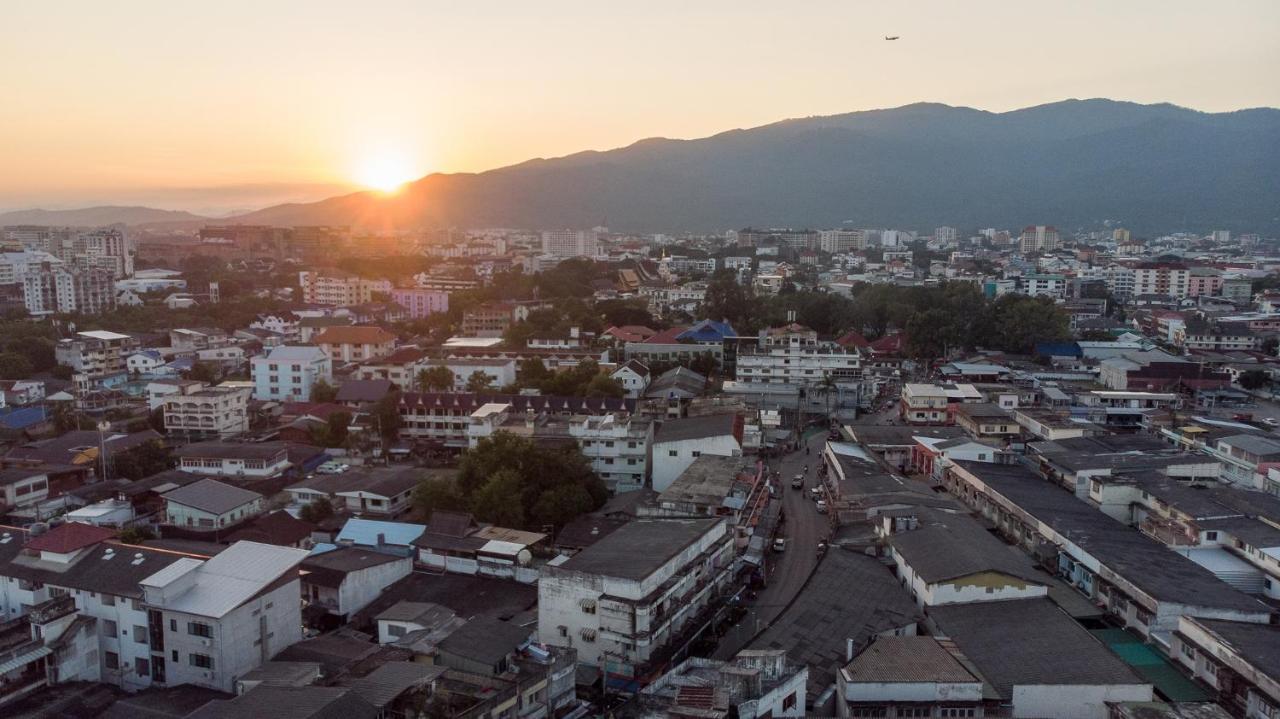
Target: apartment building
420, 302
1039, 238
1161, 279
211, 621
489, 320
339, 290
570, 243
617, 445
1053, 286
445, 417
49, 288
924, 404
623, 599
97, 353
290, 373
196, 411
679, 442
1238, 660
355, 344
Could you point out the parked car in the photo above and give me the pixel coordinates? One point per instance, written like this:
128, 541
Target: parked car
815, 493
822, 506
797, 482
1270, 421
779, 544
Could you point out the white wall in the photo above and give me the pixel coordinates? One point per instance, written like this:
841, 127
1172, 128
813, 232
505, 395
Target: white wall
667, 468
361, 588
1074, 701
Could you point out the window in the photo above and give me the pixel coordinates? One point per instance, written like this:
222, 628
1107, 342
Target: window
1211, 536
913, 712
110, 629
789, 702
108, 600
142, 667
139, 634
202, 661
866, 711
673, 453
956, 712
199, 629
173, 625
564, 631
1188, 651
112, 660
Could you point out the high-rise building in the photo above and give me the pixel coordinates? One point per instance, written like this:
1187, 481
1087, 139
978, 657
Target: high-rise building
569, 243
1039, 238
1222, 236
945, 234
327, 289
108, 247
51, 288
1121, 236
836, 241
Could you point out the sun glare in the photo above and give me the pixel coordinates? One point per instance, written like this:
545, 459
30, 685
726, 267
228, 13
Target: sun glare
385, 172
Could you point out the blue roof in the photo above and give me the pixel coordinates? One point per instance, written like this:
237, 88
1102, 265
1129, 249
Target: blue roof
707, 331
1058, 349
22, 417
182, 363
366, 531
153, 354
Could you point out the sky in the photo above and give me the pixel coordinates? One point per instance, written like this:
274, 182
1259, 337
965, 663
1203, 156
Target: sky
233, 104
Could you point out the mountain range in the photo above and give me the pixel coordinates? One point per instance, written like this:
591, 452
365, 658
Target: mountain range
1152, 168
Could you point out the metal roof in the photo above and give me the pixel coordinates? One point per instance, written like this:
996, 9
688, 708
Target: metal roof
231, 578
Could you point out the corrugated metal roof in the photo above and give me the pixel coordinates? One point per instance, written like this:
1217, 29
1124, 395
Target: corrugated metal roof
366, 531
233, 576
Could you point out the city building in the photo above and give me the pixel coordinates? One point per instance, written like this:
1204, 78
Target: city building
624, 599
570, 243
208, 505
678, 442
52, 288
290, 373
420, 302
355, 344
196, 411
1038, 238
250, 460
339, 290
96, 354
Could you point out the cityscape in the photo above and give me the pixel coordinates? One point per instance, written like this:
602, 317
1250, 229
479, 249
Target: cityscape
916, 410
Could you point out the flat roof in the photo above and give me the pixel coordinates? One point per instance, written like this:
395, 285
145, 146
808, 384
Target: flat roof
639, 548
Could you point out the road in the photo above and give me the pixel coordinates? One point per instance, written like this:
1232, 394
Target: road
803, 530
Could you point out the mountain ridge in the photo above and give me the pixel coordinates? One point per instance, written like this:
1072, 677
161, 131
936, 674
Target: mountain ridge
1077, 162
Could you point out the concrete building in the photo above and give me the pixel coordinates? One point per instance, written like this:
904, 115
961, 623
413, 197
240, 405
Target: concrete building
908, 676
420, 302
339, 290
210, 506
52, 288
1240, 661
570, 243
200, 412
290, 373
625, 598
355, 344
345, 580
1039, 238
755, 684
211, 622
96, 354
257, 460
678, 442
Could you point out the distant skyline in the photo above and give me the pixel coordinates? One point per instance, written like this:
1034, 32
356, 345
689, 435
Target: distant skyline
236, 105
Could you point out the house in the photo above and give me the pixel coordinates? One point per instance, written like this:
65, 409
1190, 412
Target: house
355, 343
384, 493
342, 581
680, 441
401, 367
217, 619
456, 543
986, 421
633, 376
290, 372
405, 618
279, 528
22, 487
144, 362
210, 506
256, 460
20, 392
625, 585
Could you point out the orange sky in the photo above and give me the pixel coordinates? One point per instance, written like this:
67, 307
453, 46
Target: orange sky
140, 100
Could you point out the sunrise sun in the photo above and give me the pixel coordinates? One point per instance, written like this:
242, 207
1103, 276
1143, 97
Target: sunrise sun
385, 171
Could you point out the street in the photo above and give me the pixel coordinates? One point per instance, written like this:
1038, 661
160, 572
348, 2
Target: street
804, 529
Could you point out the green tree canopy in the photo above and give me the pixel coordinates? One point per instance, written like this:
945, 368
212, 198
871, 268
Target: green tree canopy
434, 379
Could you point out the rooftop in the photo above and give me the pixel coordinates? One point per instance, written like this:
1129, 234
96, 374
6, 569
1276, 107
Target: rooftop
679, 430
212, 496
639, 548
917, 659
229, 579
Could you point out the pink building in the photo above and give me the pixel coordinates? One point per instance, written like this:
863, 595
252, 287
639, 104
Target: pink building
1205, 281
420, 302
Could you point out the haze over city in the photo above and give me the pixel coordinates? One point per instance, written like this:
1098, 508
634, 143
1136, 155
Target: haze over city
237, 105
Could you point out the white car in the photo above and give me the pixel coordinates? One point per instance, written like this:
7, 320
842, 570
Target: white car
779, 544
1271, 421
822, 506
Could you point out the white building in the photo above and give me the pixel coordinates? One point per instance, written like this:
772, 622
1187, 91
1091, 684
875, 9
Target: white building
217, 619
289, 373
208, 505
200, 412
50, 288
680, 441
252, 460
345, 580
569, 243
622, 599
838, 241
1039, 238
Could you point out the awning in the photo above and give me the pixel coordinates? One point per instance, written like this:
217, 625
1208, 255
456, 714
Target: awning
22, 660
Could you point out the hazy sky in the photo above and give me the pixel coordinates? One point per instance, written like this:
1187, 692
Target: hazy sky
112, 101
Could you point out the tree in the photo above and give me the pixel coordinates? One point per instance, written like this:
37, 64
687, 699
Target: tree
1253, 379
136, 535
625, 312
539, 472
499, 500
333, 433
387, 413
827, 387
479, 382
602, 385
727, 300
316, 511
433, 494
323, 392
434, 379
562, 505
141, 461
203, 372
15, 366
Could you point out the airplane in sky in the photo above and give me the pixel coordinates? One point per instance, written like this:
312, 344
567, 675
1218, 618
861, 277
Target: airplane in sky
891, 37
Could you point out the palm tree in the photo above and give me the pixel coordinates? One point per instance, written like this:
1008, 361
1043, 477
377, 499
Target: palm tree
826, 388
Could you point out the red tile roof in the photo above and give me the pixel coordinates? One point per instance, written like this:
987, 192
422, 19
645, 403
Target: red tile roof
70, 537
667, 337
630, 333
889, 344
852, 339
